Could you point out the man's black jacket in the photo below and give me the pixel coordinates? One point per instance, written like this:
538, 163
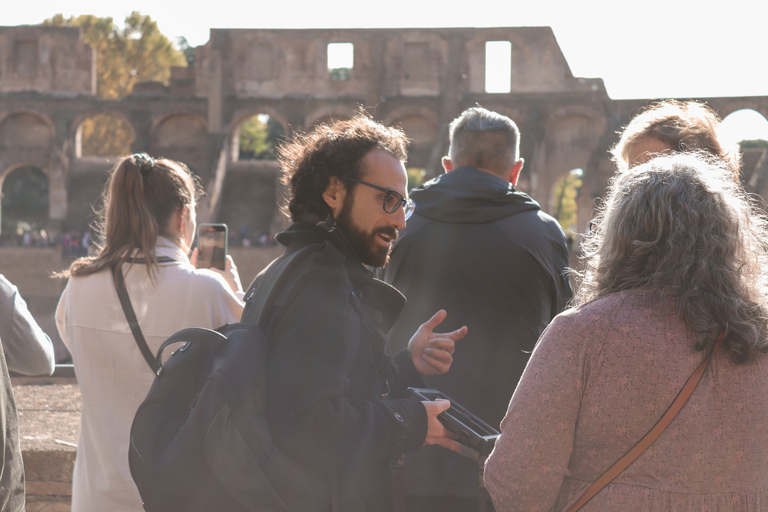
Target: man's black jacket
495, 262
328, 372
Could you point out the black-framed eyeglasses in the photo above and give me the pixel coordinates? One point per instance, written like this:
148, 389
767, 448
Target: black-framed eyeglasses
393, 200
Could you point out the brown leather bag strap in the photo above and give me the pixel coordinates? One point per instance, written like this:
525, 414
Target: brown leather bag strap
642, 445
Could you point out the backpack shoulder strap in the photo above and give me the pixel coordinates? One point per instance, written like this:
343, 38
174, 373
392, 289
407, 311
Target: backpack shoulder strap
272, 285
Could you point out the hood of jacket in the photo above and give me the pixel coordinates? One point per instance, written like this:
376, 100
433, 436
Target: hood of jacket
469, 195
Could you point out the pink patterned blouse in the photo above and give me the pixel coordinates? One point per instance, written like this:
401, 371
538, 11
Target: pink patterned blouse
599, 378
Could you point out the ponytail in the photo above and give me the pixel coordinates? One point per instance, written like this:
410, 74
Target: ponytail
141, 196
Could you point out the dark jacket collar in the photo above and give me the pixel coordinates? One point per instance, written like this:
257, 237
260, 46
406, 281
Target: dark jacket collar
372, 292
469, 195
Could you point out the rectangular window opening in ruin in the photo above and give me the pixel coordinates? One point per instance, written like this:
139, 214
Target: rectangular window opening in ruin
341, 60
498, 67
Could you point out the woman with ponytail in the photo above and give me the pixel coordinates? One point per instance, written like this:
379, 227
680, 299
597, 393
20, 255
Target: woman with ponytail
146, 228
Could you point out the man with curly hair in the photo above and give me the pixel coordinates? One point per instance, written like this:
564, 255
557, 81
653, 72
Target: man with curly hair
334, 395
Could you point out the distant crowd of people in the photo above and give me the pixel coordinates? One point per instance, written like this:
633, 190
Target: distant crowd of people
75, 244
72, 243
643, 389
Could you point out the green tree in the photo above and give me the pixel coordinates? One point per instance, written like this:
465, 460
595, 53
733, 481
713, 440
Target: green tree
753, 144
138, 52
566, 192
105, 135
259, 138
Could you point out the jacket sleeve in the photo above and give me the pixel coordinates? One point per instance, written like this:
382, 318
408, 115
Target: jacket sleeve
28, 350
308, 412
407, 375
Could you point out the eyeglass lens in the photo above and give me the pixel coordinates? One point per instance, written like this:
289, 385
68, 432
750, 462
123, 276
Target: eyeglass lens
392, 202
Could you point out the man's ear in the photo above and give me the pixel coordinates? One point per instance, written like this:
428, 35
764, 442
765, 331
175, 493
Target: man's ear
334, 195
516, 172
447, 164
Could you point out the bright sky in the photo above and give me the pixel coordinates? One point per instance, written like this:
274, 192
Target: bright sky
649, 49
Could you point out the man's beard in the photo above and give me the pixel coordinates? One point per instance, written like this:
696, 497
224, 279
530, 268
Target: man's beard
365, 244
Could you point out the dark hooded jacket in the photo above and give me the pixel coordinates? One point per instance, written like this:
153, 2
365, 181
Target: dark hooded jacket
330, 382
495, 262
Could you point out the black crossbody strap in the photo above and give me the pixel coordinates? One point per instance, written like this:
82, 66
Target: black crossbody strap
125, 301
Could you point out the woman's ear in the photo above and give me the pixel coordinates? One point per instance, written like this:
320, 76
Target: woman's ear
334, 195
180, 221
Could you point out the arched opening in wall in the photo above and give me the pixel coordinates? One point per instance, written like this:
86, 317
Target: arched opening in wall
327, 120
567, 190
24, 206
341, 60
422, 133
104, 135
498, 67
25, 131
184, 138
744, 125
259, 137
749, 129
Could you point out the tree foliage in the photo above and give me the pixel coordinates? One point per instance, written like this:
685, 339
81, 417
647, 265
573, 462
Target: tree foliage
105, 135
567, 191
259, 138
138, 52
753, 144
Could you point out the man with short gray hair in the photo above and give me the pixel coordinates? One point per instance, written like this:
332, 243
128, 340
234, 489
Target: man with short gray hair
490, 257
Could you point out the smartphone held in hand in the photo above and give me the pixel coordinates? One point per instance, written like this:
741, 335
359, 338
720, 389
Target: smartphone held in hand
212, 246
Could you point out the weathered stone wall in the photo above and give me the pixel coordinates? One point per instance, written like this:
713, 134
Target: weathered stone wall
48, 60
418, 79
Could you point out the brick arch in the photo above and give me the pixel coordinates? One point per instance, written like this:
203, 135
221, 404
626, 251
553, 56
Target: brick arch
243, 115
43, 216
76, 132
763, 115
327, 115
240, 117
26, 130
19, 165
180, 136
729, 106
421, 126
569, 139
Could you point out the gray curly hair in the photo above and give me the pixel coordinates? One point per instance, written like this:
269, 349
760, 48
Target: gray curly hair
680, 228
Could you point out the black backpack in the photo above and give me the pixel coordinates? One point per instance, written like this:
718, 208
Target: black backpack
200, 440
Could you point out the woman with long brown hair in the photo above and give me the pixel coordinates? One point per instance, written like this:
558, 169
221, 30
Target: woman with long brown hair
675, 262
147, 226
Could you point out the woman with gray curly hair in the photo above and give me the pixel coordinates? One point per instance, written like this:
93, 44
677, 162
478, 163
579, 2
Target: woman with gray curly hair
676, 261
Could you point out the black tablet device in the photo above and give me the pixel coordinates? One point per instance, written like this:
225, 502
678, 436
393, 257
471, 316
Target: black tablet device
476, 436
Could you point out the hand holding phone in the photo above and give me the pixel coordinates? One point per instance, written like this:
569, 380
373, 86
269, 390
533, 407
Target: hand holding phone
212, 246
475, 436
